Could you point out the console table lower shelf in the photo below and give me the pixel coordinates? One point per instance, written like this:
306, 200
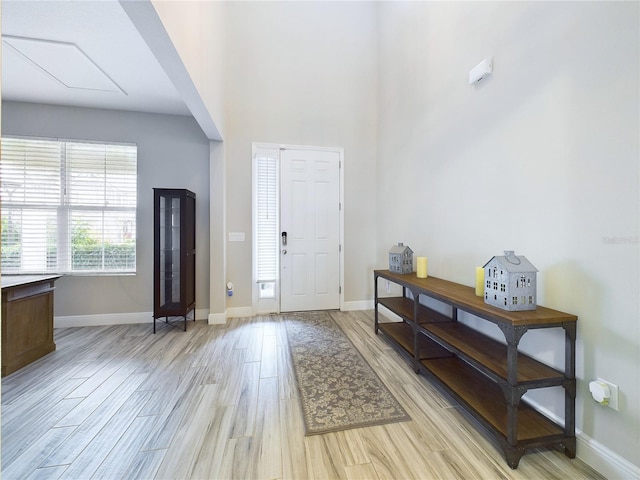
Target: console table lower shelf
481, 398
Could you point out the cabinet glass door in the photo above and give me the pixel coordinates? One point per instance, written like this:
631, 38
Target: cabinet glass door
169, 250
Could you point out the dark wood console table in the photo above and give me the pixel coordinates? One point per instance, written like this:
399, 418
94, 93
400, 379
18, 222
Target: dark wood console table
27, 320
486, 377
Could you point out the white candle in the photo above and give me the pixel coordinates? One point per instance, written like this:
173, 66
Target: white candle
422, 267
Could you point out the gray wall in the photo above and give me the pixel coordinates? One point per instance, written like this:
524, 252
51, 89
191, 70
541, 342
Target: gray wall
172, 152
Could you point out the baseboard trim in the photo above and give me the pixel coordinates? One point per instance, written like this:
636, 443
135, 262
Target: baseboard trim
217, 318
111, 319
102, 319
240, 312
385, 312
604, 460
357, 305
598, 456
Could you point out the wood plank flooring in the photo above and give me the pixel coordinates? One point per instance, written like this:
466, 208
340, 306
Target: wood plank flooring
220, 402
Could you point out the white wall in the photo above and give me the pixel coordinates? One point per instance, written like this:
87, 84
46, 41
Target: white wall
218, 252
197, 31
172, 153
542, 158
302, 73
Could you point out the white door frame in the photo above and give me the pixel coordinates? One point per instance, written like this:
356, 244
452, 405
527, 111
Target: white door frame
261, 306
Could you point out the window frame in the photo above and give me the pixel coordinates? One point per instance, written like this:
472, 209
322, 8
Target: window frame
66, 207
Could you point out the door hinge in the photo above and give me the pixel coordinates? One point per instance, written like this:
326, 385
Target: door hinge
340, 289
340, 206
339, 247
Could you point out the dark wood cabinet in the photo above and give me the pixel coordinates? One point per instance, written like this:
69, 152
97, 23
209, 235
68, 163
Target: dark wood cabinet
486, 376
174, 261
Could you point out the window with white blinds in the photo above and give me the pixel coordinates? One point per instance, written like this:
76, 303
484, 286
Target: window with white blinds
68, 207
266, 221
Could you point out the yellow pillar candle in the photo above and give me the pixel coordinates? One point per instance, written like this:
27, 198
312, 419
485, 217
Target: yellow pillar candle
480, 281
422, 267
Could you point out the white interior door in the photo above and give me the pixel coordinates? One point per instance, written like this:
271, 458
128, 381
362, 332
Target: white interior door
310, 217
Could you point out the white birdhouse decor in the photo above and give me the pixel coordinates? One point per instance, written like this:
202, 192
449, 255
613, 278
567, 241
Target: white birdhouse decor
400, 259
510, 282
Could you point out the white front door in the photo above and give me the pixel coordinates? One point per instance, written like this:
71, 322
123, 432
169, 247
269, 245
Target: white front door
310, 230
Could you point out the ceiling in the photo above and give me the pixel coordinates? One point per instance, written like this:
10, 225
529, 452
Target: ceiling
81, 53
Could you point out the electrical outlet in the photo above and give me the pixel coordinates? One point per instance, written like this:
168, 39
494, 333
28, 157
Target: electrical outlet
613, 390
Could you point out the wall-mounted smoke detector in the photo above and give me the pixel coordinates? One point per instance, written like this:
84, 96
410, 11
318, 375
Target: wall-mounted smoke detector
481, 71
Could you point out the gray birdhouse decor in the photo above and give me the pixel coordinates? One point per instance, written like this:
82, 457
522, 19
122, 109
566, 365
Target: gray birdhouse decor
400, 259
510, 282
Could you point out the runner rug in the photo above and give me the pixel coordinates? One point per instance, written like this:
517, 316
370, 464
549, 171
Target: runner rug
338, 389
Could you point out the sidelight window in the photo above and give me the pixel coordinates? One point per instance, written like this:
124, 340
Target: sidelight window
266, 220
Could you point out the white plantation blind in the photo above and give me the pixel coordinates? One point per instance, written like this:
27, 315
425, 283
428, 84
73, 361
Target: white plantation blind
68, 207
266, 208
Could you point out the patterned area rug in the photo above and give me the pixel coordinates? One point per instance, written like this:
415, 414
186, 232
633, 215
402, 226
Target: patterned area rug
338, 388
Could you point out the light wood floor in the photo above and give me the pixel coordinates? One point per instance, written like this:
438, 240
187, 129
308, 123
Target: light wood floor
220, 402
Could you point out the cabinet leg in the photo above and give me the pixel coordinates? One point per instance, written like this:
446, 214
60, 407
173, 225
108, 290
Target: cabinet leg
569, 445
513, 454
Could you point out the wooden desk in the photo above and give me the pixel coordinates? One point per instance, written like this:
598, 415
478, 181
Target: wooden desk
27, 319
